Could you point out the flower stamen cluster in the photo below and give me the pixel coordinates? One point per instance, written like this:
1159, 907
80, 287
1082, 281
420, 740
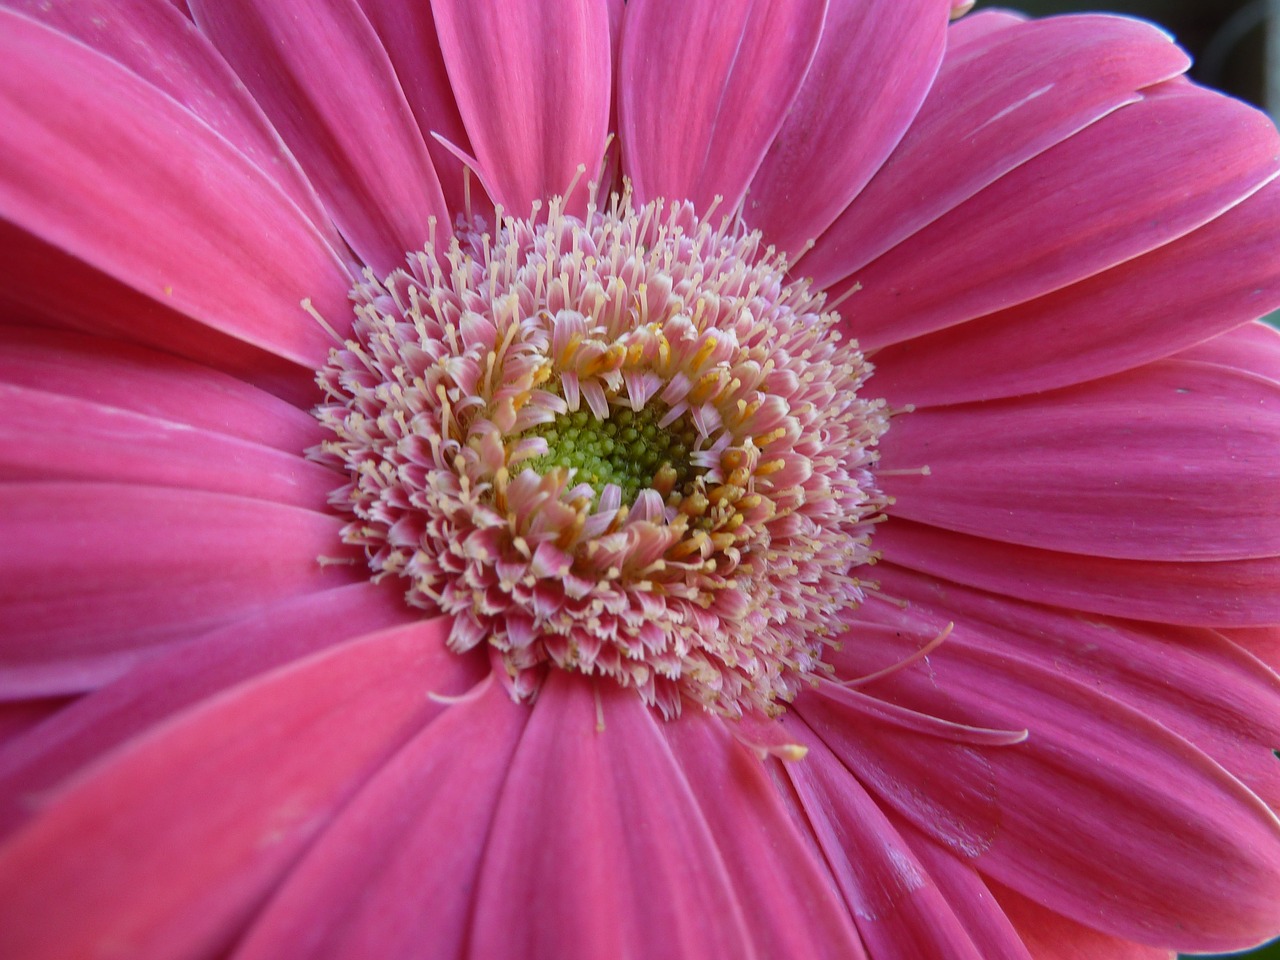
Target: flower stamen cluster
624, 445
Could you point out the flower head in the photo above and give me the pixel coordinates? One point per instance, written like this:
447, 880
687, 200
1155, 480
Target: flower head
664, 479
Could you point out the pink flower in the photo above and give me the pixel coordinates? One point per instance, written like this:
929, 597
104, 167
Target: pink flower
525, 643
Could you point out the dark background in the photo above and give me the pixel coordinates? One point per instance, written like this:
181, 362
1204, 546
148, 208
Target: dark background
1228, 40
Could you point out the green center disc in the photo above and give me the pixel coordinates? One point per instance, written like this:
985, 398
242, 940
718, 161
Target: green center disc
627, 449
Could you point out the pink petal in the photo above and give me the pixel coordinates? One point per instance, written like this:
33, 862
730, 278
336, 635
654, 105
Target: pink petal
532, 81
1054, 937
703, 89
1207, 282
1135, 180
984, 922
776, 874
181, 676
1231, 593
1252, 348
1104, 814
152, 384
565, 847
82, 440
996, 104
882, 57
898, 909
93, 572
108, 169
398, 868
611, 178
981, 24
17, 717
1128, 467
903, 768
43, 288
1194, 681
408, 33
324, 79
161, 45
1261, 642
246, 779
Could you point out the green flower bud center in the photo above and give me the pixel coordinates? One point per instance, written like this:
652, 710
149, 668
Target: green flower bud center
628, 449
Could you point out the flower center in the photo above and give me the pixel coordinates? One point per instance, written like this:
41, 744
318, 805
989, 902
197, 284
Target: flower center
624, 445
632, 450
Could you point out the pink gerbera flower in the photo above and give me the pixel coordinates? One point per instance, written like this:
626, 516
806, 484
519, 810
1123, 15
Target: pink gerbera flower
682, 479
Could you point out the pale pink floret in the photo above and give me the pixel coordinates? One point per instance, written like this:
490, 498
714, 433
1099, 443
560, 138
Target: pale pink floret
722, 591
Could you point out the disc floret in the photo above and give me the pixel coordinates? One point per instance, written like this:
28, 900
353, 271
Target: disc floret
629, 449
624, 445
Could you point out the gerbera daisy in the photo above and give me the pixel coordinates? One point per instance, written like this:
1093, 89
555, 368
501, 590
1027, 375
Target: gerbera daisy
574, 479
